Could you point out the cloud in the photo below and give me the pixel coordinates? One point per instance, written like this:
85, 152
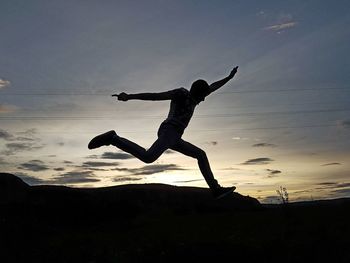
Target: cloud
230, 169
150, 169
13, 148
59, 169
328, 183
30, 133
334, 185
264, 145
4, 83
2, 161
212, 143
75, 177
237, 138
31, 180
342, 189
27, 136
255, 161
156, 168
111, 156
34, 166
98, 169
328, 164
262, 13
345, 124
5, 135
98, 164
343, 185
122, 170
23, 139
280, 23
304, 191
189, 181
273, 173
120, 179
20, 141
93, 156
281, 26
116, 156
344, 192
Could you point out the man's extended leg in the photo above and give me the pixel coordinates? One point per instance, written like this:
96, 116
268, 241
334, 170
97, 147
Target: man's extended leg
166, 139
203, 163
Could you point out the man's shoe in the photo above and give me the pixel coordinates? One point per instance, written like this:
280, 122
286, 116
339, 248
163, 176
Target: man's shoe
104, 139
220, 192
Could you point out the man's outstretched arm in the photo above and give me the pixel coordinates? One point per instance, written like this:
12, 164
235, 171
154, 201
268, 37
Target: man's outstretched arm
218, 84
144, 96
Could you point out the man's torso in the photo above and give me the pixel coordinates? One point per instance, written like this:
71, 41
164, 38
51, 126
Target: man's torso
181, 108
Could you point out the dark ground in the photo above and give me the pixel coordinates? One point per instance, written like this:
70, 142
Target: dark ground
161, 223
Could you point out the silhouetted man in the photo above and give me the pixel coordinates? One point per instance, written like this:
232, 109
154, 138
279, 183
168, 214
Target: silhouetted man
182, 105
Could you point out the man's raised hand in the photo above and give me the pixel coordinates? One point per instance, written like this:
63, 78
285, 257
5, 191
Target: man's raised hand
233, 72
122, 96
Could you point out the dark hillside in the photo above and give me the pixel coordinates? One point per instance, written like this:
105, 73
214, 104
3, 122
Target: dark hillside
162, 223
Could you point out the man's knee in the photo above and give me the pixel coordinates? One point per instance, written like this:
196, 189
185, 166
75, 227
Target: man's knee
150, 158
200, 155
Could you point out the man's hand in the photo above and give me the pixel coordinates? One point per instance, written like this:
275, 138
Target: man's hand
233, 72
122, 96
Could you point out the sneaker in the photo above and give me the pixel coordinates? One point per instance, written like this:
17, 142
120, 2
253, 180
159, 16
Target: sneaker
104, 139
220, 192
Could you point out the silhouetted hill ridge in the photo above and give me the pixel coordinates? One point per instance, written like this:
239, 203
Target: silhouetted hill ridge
133, 198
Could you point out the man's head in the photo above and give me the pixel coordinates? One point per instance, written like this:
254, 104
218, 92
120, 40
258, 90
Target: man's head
199, 90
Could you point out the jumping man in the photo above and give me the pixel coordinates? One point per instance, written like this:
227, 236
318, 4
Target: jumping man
182, 105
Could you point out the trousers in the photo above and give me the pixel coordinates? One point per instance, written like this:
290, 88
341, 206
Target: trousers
169, 137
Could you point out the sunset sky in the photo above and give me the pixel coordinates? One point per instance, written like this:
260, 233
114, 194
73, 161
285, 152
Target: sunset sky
282, 121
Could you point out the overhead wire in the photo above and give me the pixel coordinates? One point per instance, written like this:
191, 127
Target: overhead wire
224, 115
210, 130
220, 92
207, 107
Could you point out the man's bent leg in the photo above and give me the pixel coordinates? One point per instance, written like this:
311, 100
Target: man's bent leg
147, 156
203, 163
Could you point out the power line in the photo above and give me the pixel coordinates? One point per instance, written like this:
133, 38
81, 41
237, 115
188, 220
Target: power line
282, 90
223, 92
209, 130
228, 115
210, 108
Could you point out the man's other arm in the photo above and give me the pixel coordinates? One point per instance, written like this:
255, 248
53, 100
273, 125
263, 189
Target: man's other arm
167, 95
218, 84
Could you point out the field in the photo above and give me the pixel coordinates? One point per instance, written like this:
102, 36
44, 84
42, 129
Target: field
161, 223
